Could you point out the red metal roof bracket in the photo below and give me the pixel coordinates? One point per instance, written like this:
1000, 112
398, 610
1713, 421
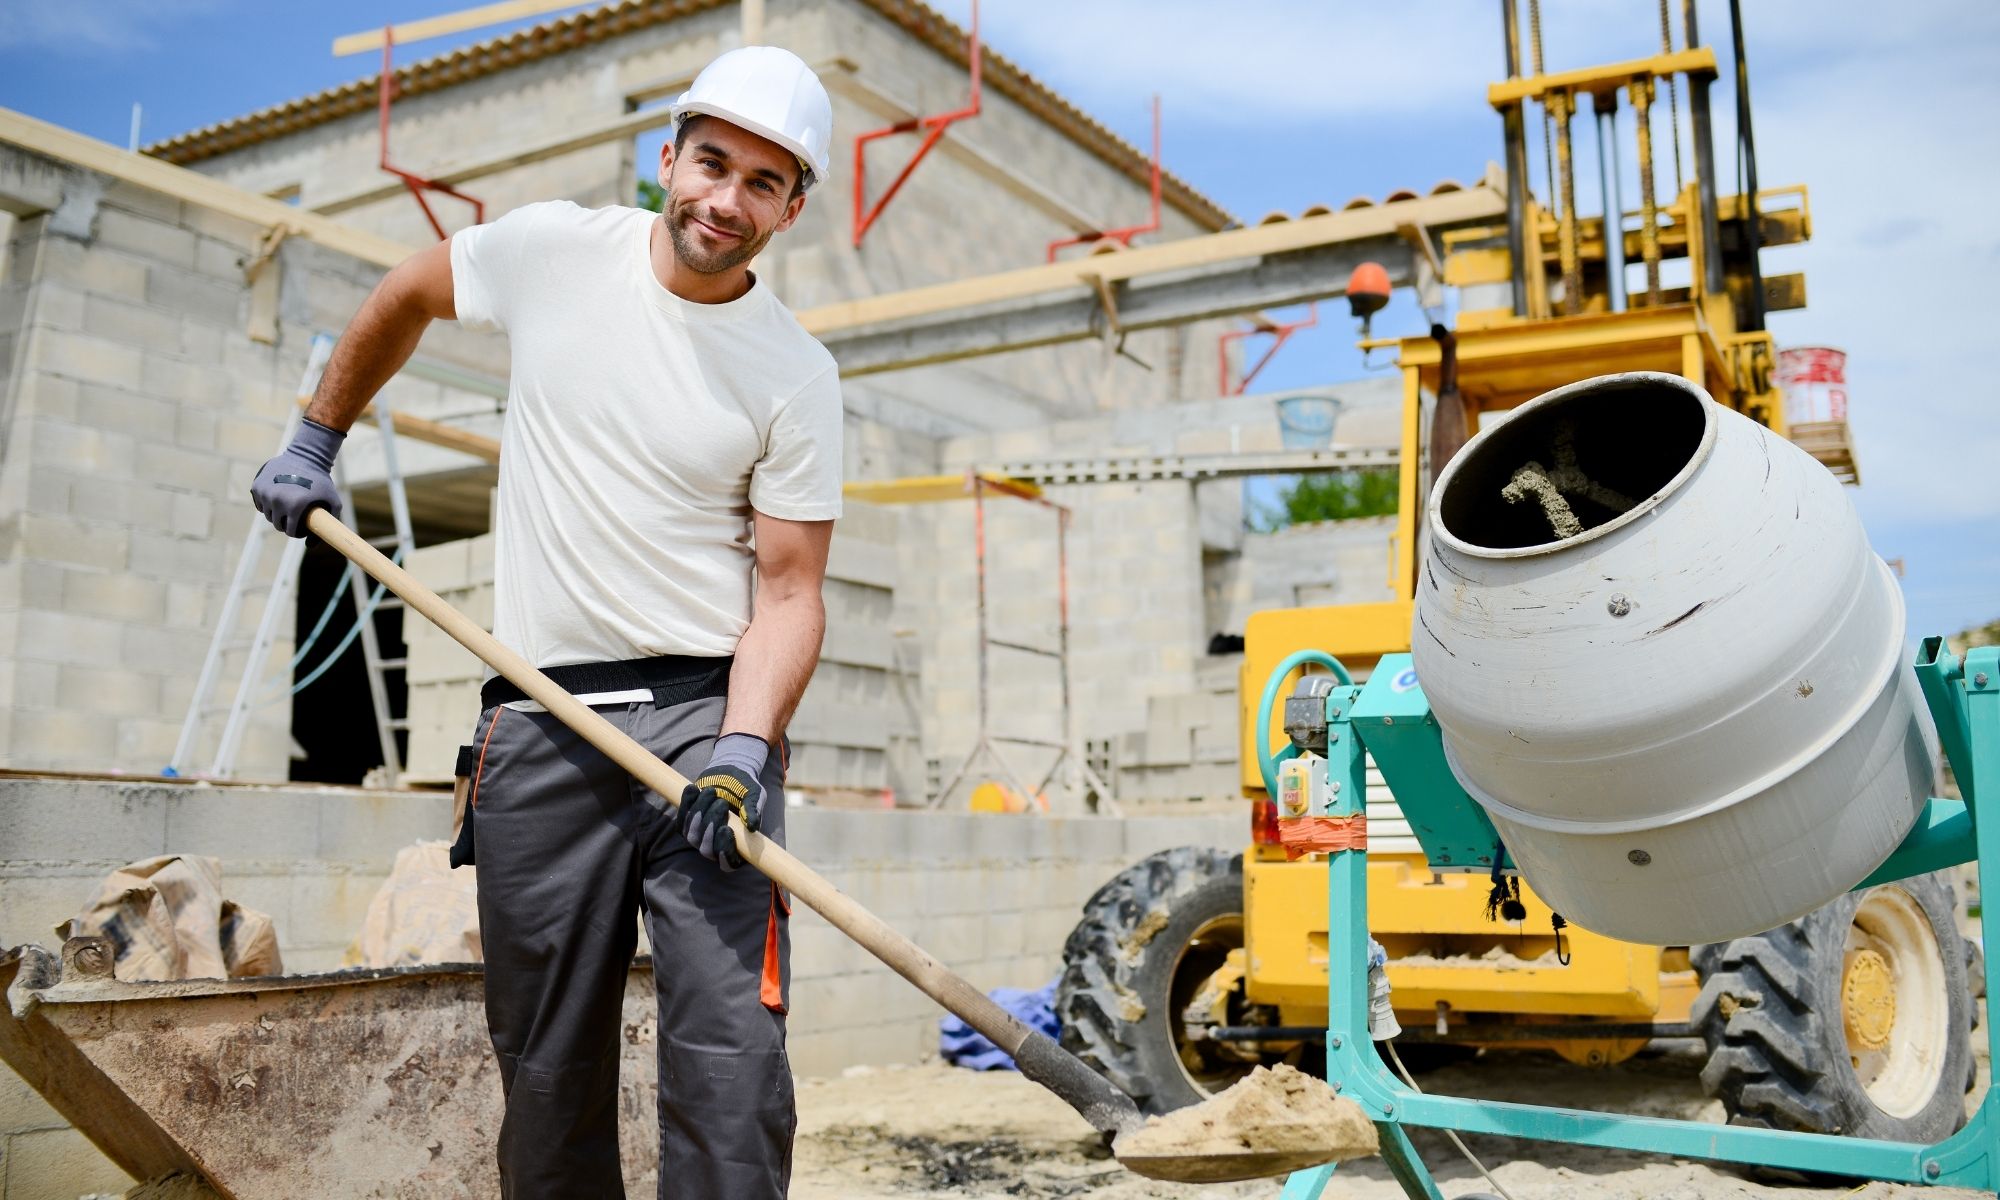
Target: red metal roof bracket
933, 128
1125, 235
1279, 331
385, 90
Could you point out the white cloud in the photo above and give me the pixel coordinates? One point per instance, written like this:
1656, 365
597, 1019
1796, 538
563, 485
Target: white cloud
96, 27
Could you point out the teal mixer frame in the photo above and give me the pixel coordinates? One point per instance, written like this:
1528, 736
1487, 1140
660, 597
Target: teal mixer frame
1389, 718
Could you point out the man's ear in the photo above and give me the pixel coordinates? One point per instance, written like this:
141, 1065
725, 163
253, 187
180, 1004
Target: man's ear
793, 208
666, 162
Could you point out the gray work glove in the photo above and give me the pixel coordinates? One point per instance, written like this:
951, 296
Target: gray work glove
299, 479
727, 784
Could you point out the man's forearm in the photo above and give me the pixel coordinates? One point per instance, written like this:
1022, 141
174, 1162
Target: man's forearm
375, 345
774, 661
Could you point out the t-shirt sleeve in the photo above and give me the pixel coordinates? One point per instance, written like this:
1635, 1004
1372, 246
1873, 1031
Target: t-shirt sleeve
486, 266
798, 479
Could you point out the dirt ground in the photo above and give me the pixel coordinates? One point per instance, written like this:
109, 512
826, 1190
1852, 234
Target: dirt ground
937, 1131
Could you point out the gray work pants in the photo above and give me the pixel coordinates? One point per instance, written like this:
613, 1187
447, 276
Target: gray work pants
570, 847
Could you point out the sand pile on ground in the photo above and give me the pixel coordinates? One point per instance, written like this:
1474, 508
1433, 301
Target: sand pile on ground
1276, 1111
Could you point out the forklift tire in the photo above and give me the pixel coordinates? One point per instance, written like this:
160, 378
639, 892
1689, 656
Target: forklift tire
1147, 941
1855, 1019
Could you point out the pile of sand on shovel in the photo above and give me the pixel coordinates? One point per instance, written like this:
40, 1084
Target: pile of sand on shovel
1273, 1120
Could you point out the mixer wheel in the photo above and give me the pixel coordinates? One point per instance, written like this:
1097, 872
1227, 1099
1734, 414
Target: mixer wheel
1148, 941
1851, 1020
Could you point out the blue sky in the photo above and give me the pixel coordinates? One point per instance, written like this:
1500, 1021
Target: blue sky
1884, 114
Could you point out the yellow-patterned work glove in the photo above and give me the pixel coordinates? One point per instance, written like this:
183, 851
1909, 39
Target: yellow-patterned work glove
728, 784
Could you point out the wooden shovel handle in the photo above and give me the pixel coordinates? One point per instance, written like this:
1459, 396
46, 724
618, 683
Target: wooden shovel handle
902, 955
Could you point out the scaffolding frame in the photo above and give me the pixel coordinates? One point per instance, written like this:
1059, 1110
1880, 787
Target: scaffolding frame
1080, 780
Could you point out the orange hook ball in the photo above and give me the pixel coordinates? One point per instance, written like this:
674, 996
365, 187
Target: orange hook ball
1367, 289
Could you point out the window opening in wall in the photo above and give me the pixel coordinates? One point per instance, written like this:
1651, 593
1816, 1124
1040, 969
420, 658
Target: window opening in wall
643, 169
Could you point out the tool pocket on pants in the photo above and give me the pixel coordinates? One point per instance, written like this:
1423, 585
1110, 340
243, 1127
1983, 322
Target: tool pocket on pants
465, 791
771, 984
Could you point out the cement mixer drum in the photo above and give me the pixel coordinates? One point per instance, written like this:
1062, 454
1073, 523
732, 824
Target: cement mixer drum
1667, 664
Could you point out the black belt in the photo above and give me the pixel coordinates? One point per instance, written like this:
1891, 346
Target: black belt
672, 678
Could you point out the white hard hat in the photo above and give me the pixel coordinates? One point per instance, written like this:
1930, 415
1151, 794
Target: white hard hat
772, 93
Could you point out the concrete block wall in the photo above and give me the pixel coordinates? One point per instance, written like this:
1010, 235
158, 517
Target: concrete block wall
992, 896
444, 677
1189, 748
136, 411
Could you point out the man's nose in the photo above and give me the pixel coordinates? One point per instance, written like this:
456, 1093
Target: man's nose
727, 200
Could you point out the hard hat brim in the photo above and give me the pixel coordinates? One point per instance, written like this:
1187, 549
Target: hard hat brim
809, 174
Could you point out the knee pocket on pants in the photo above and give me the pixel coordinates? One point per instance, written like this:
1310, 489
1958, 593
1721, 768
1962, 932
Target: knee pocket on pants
754, 1080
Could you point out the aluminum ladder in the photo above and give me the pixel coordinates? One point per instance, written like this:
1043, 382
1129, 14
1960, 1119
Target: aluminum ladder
251, 686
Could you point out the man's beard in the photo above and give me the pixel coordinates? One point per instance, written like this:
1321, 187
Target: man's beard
697, 257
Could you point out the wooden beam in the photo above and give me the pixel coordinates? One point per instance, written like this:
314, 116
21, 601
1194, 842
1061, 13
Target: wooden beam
457, 22
1379, 220
629, 126
64, 145
1272, 282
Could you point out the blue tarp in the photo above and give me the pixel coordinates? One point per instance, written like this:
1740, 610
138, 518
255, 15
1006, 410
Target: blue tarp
963, 1046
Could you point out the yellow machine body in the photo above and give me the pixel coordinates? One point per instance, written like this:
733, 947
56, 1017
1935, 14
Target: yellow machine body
1449, 964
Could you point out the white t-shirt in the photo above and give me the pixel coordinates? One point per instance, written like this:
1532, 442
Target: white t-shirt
641, 431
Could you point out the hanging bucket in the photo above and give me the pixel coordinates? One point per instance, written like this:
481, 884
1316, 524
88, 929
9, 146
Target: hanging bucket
1306, 422
1667, 664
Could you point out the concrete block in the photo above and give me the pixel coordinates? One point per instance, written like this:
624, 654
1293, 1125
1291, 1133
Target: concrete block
22, 1107
167, 557
107, 691
192, 516
328, 908
87, 359
248, 438
146, 743
368, 828
73, 820
146, 237
97, 444
51, 538
233, 823
132, 324
33, 905
818, 1053
142, 201
443, 567
188, 470
213, 301
58, 1163
172, 651
223, 260
92, 267
116, 595
70, 638
187, 605
58, 307
194, 428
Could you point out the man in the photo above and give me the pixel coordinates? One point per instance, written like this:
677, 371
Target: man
663, 407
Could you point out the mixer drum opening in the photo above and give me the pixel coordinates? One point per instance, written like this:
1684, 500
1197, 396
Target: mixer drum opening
1592, 455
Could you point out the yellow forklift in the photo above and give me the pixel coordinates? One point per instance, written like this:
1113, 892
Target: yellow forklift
1195, 965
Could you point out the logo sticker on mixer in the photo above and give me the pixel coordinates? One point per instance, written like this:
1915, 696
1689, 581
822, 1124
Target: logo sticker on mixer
1405, 681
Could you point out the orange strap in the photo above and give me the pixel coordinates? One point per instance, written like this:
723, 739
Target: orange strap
771, 990
1322, 835
480, 772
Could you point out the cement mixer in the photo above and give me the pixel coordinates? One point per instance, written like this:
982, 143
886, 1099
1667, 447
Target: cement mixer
1664, 678
1666, 663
